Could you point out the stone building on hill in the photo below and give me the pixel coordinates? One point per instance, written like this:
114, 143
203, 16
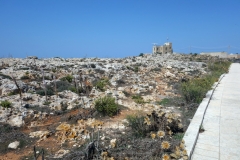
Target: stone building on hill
166, 48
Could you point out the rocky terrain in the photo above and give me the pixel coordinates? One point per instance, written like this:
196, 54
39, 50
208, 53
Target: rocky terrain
50, 104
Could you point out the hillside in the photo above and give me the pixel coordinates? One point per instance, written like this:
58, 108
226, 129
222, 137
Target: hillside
58, 105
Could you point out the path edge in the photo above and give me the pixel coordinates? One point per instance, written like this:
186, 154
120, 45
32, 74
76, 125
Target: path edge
192, 133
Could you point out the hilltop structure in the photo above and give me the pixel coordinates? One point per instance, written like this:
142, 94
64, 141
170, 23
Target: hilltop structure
166, 48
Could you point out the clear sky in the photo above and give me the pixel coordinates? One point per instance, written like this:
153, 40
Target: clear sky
116, 28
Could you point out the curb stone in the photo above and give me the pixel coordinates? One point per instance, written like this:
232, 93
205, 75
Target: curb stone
192, 133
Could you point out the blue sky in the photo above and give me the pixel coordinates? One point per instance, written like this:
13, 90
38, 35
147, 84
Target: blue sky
116, 28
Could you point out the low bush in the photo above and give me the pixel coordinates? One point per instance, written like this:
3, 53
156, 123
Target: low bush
68, 78
157, 69
97, 70
106, 106
120, 81
194, 90
136, 69
101, 84
62, 85
5, 76
164, 101
6, 104
93, 65
126, 93
42, 92
138, 99
37, 108
46, 103
25, 77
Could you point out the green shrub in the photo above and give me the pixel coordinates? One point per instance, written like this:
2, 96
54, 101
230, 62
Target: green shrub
46, 103
6, 104
126, 93
42, 92
93, 65
25, 77
106, 106
164, 101
5, 76
138, 99
68, 78
141, 55
62, 85
136, 69
120, 81
219, 67
39, 108
178, 136
12, 93
97, 70
73, 89
194, 91
157, 69
54, 70
101, 84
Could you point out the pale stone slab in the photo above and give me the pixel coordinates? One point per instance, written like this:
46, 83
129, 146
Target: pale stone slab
205, 152
207, 147
208, 139
226, 156
201, 157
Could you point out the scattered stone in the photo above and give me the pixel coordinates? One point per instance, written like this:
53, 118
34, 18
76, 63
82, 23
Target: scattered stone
14, 145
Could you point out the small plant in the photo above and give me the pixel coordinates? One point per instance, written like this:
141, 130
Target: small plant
201, 129
106, 106
68, 78
12, 93
141, 55
136, 69
101, 84
6, 104
93, 65
120, 81
64, 106
25, 77
164, 101
99, 71
73, 89
42, 92
126, 93
46, 103
178, 136
136, 123
54, 70
138, 99
5, 76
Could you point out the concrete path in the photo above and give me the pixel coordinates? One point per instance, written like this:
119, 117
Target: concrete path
221, 138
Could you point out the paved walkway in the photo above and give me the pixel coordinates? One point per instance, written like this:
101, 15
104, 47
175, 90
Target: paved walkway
221, 138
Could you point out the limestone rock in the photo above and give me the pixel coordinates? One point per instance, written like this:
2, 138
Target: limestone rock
14, 145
